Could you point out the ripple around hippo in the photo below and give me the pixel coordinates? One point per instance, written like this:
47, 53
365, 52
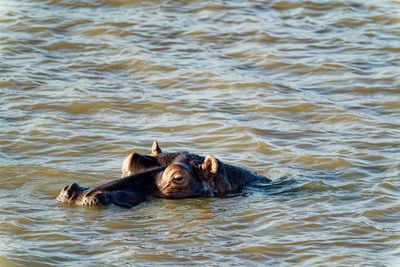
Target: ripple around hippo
163, 175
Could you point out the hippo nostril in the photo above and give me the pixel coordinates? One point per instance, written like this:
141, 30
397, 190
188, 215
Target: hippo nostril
70, 190
74, 187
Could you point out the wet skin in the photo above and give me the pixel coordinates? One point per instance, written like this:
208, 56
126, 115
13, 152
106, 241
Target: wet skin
125, 192
164, 175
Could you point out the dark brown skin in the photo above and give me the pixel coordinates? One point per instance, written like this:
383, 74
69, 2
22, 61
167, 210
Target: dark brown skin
135, 162
164, 175
189, 175
125, 192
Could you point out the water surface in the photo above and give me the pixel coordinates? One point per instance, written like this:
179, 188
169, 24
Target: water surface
304, 92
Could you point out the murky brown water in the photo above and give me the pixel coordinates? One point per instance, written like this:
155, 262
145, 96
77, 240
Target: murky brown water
304, 92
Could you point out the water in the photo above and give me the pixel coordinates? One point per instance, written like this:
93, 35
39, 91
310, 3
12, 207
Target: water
304, 92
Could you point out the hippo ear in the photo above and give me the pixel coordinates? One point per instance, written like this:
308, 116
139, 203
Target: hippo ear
210, 164
127, 165
155, 150
136, 162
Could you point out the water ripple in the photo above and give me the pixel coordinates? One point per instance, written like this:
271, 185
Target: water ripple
304, 92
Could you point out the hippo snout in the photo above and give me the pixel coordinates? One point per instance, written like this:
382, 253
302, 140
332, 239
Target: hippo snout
71, 193
125, 192
78, 195
126, 199
75, 194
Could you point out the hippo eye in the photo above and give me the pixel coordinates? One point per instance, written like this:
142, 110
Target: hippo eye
178, 180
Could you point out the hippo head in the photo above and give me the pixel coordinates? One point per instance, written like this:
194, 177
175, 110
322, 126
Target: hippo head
186, 174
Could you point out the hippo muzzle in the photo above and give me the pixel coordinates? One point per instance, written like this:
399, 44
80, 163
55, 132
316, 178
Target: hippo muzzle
125, 192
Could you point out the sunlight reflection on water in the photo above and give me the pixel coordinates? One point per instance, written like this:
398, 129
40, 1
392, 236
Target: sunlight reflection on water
303, 92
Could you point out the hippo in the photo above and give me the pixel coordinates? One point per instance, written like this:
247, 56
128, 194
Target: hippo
164, 175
